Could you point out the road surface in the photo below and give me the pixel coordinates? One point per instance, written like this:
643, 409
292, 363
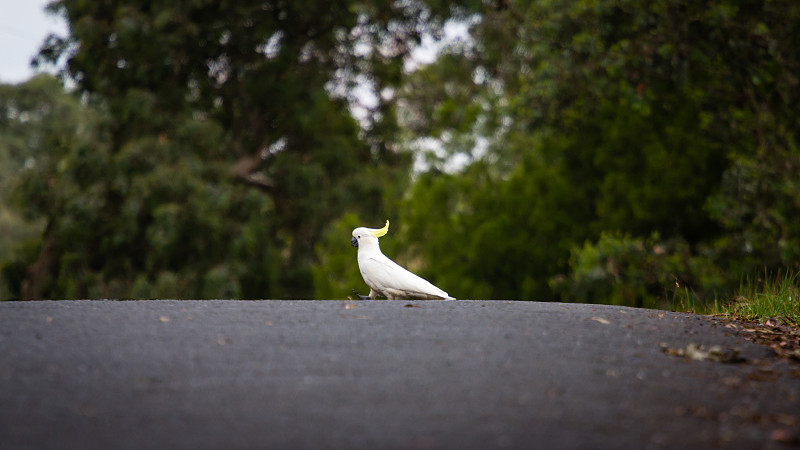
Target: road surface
382, 374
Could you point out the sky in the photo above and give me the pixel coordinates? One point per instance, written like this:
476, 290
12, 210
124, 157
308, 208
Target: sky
24, 25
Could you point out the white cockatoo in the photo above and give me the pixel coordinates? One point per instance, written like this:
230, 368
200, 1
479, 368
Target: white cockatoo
384, 276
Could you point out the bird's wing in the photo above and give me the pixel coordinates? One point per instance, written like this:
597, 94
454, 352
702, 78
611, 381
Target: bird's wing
387, 276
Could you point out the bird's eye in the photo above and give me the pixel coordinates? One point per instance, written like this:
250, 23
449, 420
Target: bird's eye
359, 236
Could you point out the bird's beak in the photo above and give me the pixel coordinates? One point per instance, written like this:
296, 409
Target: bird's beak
354, 242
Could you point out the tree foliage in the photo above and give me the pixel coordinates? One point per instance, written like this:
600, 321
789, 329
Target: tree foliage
34, 117
629, 146
597, 151
225, 143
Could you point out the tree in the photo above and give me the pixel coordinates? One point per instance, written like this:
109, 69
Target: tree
678, 100
35, 117
568, 149
669, 124
226, 145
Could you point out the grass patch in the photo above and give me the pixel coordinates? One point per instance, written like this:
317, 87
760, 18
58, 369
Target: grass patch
758, 298
685, 300
768, 296
769, 304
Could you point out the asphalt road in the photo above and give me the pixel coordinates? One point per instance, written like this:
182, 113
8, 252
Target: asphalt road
381, 374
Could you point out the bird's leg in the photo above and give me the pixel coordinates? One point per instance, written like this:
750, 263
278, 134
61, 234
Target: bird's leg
361, 297
372, 294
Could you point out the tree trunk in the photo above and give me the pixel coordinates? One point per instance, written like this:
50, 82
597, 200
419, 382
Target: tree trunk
42, 269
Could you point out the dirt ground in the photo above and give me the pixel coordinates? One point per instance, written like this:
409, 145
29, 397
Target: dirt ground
783, 339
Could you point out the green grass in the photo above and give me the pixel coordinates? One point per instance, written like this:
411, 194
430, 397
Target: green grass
768, 296
757, 299
683, 299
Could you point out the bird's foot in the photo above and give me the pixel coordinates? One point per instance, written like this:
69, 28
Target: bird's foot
360, 297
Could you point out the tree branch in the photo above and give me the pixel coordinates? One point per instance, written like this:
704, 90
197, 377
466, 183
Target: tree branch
245, 169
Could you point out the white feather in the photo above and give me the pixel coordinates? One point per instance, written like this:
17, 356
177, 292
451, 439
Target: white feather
387, 278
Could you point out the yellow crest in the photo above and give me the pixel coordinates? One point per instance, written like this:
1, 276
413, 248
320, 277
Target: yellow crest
381, 232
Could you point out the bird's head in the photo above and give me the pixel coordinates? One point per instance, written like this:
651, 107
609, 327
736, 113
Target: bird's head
368, 236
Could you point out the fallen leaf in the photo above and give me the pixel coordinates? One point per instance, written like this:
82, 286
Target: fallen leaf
785, 436
747, 414
732, 381
783, 340
698, 352
674, 351
694, 411
601, 320
349, 306
787, 419
411, 305
165, 319
762, 374
713, 353
87, 410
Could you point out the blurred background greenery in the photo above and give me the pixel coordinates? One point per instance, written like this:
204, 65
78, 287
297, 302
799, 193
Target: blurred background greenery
627, 152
